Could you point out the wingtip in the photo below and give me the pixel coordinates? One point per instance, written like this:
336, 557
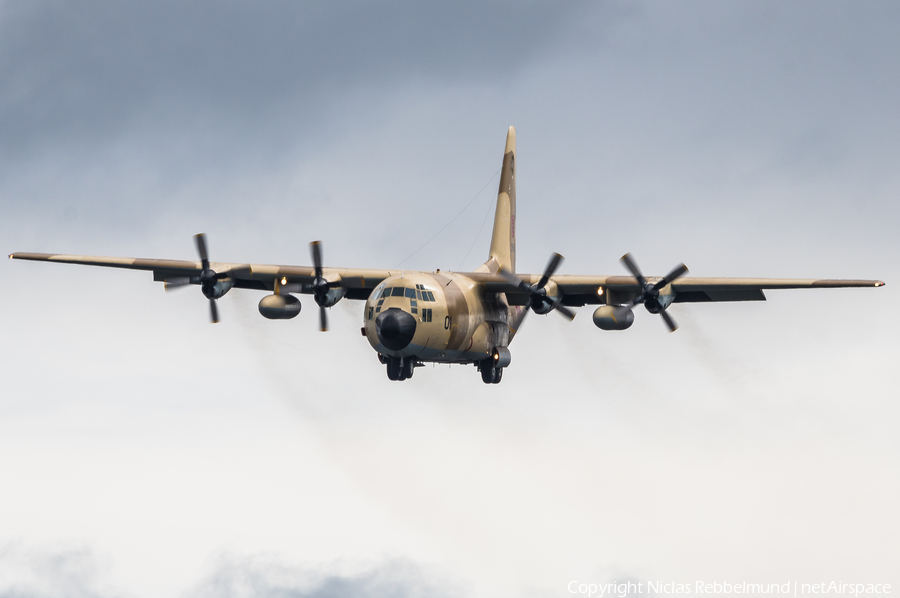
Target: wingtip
878, 283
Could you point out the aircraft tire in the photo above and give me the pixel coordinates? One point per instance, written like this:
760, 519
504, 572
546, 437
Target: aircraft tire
487, 372
393, 369
498, 375
406, 370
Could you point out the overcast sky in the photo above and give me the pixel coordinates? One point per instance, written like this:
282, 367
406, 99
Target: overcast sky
145, 452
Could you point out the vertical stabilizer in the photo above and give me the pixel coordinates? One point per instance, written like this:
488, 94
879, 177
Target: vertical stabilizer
503, 241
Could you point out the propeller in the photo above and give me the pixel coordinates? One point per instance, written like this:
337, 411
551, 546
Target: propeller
319, 287
649, 294
207, 278
537, 294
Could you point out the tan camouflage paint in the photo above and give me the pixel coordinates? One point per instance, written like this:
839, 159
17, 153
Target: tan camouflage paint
503, 239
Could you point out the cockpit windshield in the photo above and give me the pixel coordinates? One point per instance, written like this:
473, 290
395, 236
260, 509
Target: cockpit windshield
419, 293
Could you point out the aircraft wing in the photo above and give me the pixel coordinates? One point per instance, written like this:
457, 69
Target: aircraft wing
358, 282
583, 290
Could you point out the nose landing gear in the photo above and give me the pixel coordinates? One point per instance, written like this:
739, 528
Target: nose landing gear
399, 368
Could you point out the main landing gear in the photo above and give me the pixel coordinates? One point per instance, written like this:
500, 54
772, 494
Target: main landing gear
490, 374
492, 368
398, 368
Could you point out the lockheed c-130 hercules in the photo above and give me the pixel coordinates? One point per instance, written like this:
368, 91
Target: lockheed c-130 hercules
411, 318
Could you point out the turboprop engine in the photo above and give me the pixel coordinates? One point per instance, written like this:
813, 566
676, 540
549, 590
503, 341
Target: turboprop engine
613, 317
543, 297
548, 301
325, 291
214, 291
279, 307
658, 296
329, 298
213, 284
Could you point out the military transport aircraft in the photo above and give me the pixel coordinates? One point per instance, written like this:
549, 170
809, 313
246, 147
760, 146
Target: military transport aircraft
411, 318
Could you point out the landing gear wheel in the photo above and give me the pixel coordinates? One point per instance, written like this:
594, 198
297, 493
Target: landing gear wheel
393, 369
406, 370
490, 374
400, 368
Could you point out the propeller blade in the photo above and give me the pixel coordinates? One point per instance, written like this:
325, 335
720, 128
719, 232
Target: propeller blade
562, 309
677, 272
515, 280
669, 321
509, 276
552, 265
244, 271
316, 257
237, 272
649, 295
533, 290
633, 268
323, 319
200, 240
176, 283
515, 325
213, 311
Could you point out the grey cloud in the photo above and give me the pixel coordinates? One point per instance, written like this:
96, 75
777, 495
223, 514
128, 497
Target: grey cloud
79, 71
69, 573
77, 573
264, 578
115, 113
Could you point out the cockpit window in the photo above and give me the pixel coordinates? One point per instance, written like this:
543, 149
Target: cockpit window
419, 293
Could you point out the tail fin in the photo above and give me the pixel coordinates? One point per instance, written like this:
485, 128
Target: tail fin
503, 241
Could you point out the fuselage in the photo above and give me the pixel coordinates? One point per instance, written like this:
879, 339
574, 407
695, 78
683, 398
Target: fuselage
439, 317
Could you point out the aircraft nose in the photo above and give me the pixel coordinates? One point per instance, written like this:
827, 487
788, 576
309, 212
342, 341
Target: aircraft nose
395, 328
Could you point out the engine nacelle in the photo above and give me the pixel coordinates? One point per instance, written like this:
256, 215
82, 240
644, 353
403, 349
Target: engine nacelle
279, 307
545, 307
215, 291
331, 297
613, 317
